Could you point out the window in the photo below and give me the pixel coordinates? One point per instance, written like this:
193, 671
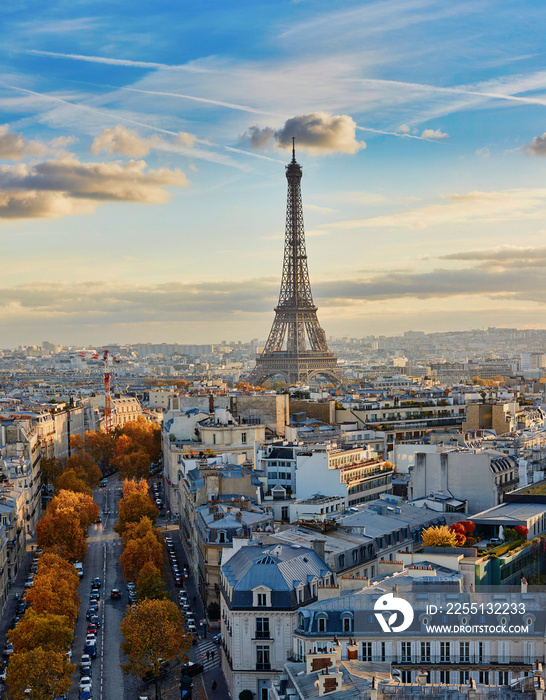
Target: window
243, 437
214, 438
261, 600
484, 677
406, 651
263, 662
347, 626
221, 537
463, 677
383, 652
479, 652
504, 677
425, 652
464, 652
445, 652
284, 513
262, 628
405, 676
366, 651
341, 561
444, 677
321, 624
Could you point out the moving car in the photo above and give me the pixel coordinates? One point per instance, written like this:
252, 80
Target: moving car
104, 482
217, 639
115, 594
96, 582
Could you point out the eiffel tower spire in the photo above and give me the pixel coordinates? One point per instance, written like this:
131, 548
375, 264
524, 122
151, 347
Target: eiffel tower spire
296, 347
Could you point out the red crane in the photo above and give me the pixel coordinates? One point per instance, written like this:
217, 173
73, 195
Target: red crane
108, 360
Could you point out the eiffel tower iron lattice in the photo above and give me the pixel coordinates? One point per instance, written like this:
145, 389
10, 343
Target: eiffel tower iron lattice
296, 347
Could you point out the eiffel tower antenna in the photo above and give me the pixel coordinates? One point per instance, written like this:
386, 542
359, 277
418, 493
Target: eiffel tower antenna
296, 347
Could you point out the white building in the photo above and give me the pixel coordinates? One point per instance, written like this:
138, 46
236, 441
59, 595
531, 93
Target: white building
262, 587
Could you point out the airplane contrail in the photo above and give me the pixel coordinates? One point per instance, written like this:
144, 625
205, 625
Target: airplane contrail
141, 124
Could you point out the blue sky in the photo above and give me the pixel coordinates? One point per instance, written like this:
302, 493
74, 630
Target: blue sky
142, 152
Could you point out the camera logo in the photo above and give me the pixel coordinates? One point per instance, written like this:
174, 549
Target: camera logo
389, 608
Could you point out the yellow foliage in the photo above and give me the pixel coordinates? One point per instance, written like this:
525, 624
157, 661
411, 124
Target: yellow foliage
440, 536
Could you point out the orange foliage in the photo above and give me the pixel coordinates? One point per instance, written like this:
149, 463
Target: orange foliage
139, 552
132, 508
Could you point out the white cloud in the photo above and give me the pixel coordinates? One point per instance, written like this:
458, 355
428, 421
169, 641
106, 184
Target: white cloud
67, 186
317, 133
468, 208
14, 146
537, 147
123, 141
403, 129
434, 134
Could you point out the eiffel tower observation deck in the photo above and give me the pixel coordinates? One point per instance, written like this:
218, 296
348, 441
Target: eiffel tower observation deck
296, 348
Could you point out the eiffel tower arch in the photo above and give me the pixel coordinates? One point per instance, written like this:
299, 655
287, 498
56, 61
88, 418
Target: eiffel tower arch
296, 347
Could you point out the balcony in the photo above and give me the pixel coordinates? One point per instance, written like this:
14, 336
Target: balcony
454, 662
262, 635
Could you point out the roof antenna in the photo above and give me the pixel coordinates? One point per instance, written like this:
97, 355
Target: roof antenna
293, 149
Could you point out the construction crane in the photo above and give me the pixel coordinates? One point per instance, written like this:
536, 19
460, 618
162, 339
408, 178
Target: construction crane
108, 360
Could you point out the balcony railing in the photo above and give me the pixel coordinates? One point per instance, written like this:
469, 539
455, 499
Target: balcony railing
263, 667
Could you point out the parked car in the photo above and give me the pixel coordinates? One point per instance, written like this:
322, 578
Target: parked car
86, 683
94, 595
190, 669
91, 648
85, 669
92, 628
115, 594
91, 612
85, 695
8, 649
95, 619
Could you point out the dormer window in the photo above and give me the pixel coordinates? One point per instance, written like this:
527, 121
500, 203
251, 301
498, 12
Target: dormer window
321, 623
261, 597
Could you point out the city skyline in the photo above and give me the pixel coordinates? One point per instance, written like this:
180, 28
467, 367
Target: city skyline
142, 189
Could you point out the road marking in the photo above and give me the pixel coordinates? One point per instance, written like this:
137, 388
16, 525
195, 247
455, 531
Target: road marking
102, 616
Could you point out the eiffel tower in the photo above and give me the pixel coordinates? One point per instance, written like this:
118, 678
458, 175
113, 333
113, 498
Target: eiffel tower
296, 347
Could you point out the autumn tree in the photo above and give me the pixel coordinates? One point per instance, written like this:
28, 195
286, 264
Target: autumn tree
47, 673
54, 596
134, 465
139, 552
69, 481
57, 567
135, 531
131, 486
134, 507
51, 470
440, 536
61, 533
153, 633
522, 531
98, 444
52, 632
85, 467
81, 503
143, 435
150, 583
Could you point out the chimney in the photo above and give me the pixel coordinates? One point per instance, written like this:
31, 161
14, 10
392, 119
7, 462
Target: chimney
239, 517
523, 584
319, 547
211, 404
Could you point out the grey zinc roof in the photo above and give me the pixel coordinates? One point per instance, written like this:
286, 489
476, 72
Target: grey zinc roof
279, 567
